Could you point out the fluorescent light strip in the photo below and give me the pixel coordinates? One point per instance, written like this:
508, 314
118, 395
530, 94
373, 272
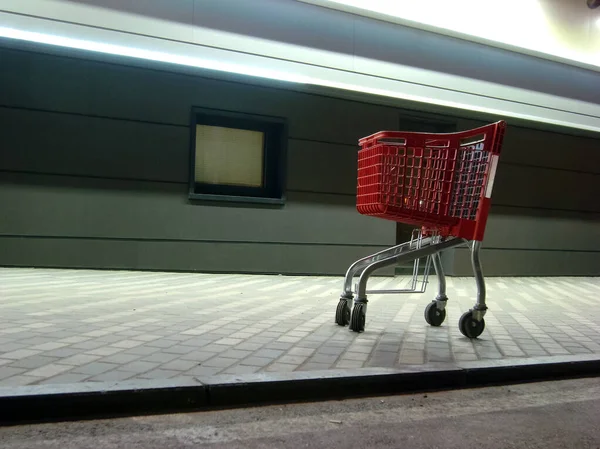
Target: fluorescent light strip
320, 76
150, 55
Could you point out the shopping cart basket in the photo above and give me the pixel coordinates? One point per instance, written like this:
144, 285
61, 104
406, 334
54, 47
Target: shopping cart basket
441, 184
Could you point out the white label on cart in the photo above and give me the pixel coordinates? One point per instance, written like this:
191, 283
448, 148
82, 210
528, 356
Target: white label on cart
491, 176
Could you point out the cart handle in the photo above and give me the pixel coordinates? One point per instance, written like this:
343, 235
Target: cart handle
402, 139
433, 140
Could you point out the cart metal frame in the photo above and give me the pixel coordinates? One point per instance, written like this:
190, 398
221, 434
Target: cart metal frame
429, 248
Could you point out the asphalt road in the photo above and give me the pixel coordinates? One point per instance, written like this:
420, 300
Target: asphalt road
548, 415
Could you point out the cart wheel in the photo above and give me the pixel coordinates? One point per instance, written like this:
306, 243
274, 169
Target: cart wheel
359, 315
342, 313
469, 326
433, 315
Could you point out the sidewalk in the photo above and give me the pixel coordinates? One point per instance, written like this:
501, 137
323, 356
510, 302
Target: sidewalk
71, 326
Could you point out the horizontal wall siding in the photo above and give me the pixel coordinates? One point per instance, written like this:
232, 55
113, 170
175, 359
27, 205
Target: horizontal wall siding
525, 228
530, 147
94, 171
94, 163
226, 257
71, 144
59, 206
50, 83
546, 188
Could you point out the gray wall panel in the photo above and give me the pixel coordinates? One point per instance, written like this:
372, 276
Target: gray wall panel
62, 84
320, 167
185, 256
95, 120
92, 88
509, 227
551, 149
529, 263
90, 146
79, 207
532, 187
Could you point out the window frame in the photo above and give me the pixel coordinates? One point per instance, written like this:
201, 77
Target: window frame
275, 140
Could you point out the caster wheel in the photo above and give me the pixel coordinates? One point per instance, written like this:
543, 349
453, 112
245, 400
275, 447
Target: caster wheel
433, 315
359, 315
470, 327
342, 313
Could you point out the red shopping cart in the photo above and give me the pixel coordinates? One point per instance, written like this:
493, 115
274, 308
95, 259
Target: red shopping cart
441, 184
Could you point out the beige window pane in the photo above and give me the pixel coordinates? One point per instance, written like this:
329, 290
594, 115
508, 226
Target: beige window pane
229, 156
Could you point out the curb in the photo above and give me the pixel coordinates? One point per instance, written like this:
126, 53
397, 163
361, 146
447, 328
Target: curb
47, 403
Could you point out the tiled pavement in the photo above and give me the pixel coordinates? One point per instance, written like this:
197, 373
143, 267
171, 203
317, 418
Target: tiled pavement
64, 326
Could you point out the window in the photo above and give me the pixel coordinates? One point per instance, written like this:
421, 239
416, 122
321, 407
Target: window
237, 157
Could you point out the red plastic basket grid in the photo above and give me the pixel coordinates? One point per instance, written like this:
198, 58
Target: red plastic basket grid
440, 182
